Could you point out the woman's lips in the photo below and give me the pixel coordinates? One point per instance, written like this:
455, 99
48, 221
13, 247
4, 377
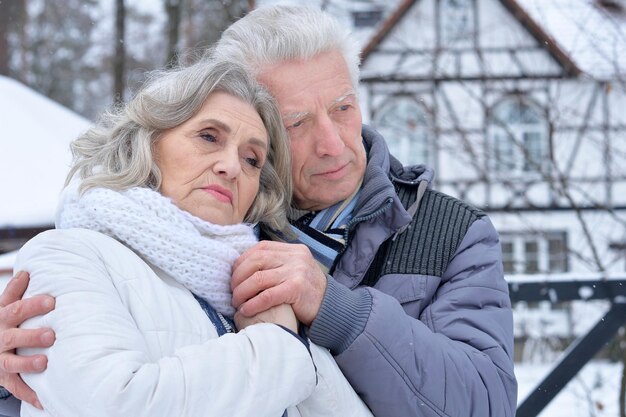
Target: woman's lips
220, 193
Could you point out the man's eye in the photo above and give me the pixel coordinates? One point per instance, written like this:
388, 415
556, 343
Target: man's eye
343, 107
297, 124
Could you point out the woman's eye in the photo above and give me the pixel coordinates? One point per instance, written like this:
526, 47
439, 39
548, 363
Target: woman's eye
343, 107
253, 162
208, 137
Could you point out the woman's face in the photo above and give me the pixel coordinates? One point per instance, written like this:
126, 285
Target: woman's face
211, 164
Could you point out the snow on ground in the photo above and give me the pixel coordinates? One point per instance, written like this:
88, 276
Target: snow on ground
34, 153
594, 392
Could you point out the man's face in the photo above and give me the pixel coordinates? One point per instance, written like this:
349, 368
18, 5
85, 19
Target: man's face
319, 108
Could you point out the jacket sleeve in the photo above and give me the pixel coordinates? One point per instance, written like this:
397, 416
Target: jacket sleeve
100, 364
10, 406
455, 359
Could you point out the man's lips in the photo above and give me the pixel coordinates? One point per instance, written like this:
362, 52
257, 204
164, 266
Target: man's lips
220, 193
333, 173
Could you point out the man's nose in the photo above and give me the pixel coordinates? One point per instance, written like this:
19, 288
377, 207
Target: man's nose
328, 141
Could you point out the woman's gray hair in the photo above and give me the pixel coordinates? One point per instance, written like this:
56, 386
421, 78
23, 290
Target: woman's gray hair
271, 35
118, 152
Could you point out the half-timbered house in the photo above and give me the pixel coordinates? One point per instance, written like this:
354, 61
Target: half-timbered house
511, 121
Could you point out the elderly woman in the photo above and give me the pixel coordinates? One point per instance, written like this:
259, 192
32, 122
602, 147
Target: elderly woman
165, 192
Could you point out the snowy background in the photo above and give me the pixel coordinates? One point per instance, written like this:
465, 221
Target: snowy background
36, 132
34, 165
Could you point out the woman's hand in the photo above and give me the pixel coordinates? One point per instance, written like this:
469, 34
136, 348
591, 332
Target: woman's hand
282, 314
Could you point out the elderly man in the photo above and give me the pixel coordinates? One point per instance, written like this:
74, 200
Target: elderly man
402, 283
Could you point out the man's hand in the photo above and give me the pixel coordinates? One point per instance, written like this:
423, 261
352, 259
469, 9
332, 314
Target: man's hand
13, 312
282, 314
274, 273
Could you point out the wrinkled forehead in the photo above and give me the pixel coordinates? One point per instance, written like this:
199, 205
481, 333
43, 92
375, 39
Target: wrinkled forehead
300, 112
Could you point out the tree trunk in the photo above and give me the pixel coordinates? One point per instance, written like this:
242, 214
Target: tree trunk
119, 60
9, 13
173, 11
4, 42
23, 42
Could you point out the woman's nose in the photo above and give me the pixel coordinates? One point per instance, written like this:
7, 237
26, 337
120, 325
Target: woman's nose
228, 164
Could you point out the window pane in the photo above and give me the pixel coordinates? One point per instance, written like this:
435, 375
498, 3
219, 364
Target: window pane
519, 134
532, 156
504, 152
557, 253
556, 246
531, 247
457, 20
403, 124
532, 256
366, 18
508, 257
528, 115
508, 112
534, 252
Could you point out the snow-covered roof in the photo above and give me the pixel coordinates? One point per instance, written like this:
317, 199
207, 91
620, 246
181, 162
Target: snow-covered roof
594, 37
591, 36
35, 133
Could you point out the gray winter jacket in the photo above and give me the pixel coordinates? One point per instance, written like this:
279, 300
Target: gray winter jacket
434, 335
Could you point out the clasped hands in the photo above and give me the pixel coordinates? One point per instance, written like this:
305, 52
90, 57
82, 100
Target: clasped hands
272, 274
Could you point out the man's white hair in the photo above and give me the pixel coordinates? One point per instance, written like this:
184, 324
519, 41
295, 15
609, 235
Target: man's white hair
271, 35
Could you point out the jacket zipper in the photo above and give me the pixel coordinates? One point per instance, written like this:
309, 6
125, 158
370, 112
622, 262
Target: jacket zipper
225, 323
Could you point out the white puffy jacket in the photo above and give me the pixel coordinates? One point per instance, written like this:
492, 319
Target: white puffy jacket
131, 341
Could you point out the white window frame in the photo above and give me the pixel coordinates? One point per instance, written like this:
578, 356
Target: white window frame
412, 146
511, 137
545, 260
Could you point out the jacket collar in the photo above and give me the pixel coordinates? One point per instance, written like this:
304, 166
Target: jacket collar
382, 171
378, 213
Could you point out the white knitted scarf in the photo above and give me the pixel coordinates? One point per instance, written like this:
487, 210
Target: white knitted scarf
194, 252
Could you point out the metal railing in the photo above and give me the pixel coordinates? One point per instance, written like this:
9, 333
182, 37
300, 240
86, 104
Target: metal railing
583, 349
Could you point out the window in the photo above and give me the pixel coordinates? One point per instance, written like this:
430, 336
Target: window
557, 253
503, 153
508, 256
457, 20
532, 253
518, 136
403, 124
366, 18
